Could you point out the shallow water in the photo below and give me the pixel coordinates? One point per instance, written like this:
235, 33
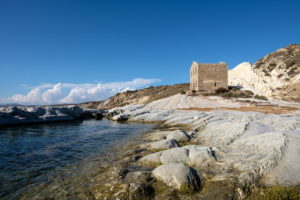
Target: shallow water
59, 161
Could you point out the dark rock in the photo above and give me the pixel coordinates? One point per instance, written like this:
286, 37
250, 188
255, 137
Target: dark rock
140, 191
122, 173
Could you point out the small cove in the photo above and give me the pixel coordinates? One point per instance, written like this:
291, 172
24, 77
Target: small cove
60, 160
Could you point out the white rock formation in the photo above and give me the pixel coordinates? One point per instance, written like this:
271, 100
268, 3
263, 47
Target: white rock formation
276, 75
191, 154
251, 143
177, 175
182, 101
161, 144
243, 75
178, 135
39, 114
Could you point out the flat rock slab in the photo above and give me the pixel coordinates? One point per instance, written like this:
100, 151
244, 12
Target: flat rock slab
162, 144
178, 135
178, 176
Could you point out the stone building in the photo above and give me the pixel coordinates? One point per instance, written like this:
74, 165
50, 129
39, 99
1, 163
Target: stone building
208, 77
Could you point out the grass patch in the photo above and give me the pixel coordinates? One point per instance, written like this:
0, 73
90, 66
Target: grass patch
260, 97
221, 90
184, 143
182, 92
187, 188
156, 164
276, 193
156, 150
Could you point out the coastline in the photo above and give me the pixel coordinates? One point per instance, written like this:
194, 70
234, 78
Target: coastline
232, 170
228, 151
26, 115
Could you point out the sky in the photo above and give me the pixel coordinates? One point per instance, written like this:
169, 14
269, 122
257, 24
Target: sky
70, 51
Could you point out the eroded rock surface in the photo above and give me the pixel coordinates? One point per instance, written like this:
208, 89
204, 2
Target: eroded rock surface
161, 144
38, 114
245, 145
178, 176
178, 135
190, 154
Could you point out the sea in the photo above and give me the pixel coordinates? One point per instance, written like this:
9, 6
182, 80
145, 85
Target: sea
59, 160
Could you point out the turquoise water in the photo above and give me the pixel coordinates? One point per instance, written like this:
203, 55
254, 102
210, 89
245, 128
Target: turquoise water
57, 161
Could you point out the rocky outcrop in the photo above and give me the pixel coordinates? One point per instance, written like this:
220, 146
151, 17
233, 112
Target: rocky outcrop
162, 144
179, 135
38, 114
225, 142
276, 75
142, 96
227, 151
178, 176
191, 154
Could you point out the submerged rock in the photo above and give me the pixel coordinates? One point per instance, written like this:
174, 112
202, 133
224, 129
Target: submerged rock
178, 176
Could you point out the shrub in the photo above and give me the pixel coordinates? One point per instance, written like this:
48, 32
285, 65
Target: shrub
260, 97
234, 89
182, 92
280, 75
249, 92
227, 95
221, 90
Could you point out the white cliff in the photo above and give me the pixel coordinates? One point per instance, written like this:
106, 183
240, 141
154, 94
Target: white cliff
276, 75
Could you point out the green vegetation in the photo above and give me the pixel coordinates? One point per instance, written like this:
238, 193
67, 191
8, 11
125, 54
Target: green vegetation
221, 90
184, 143
157, 150
187, 188
292, 72
276, 193
234, 89
236, 93
280, 75
260, 97
157, 164
182, 92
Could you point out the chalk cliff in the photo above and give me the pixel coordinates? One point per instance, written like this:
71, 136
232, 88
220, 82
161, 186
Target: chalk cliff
276, 75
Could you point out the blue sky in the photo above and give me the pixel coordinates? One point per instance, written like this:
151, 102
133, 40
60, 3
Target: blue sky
79, 44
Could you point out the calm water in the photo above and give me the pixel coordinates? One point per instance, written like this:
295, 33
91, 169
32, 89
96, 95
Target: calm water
57, 161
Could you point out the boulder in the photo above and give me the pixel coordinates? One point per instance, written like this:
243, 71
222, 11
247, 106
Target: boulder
162, 144
175, 155
178, 176
201, 155
190, 154
151, 158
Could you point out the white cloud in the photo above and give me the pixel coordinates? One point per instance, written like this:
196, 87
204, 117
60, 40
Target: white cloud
74, 93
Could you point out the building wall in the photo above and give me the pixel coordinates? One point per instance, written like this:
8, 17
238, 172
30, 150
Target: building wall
208, 77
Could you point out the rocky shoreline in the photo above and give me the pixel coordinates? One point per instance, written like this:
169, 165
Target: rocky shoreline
200, 155
20, 115
189, 154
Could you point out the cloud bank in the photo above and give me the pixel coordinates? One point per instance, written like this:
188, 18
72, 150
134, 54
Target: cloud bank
62, 93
